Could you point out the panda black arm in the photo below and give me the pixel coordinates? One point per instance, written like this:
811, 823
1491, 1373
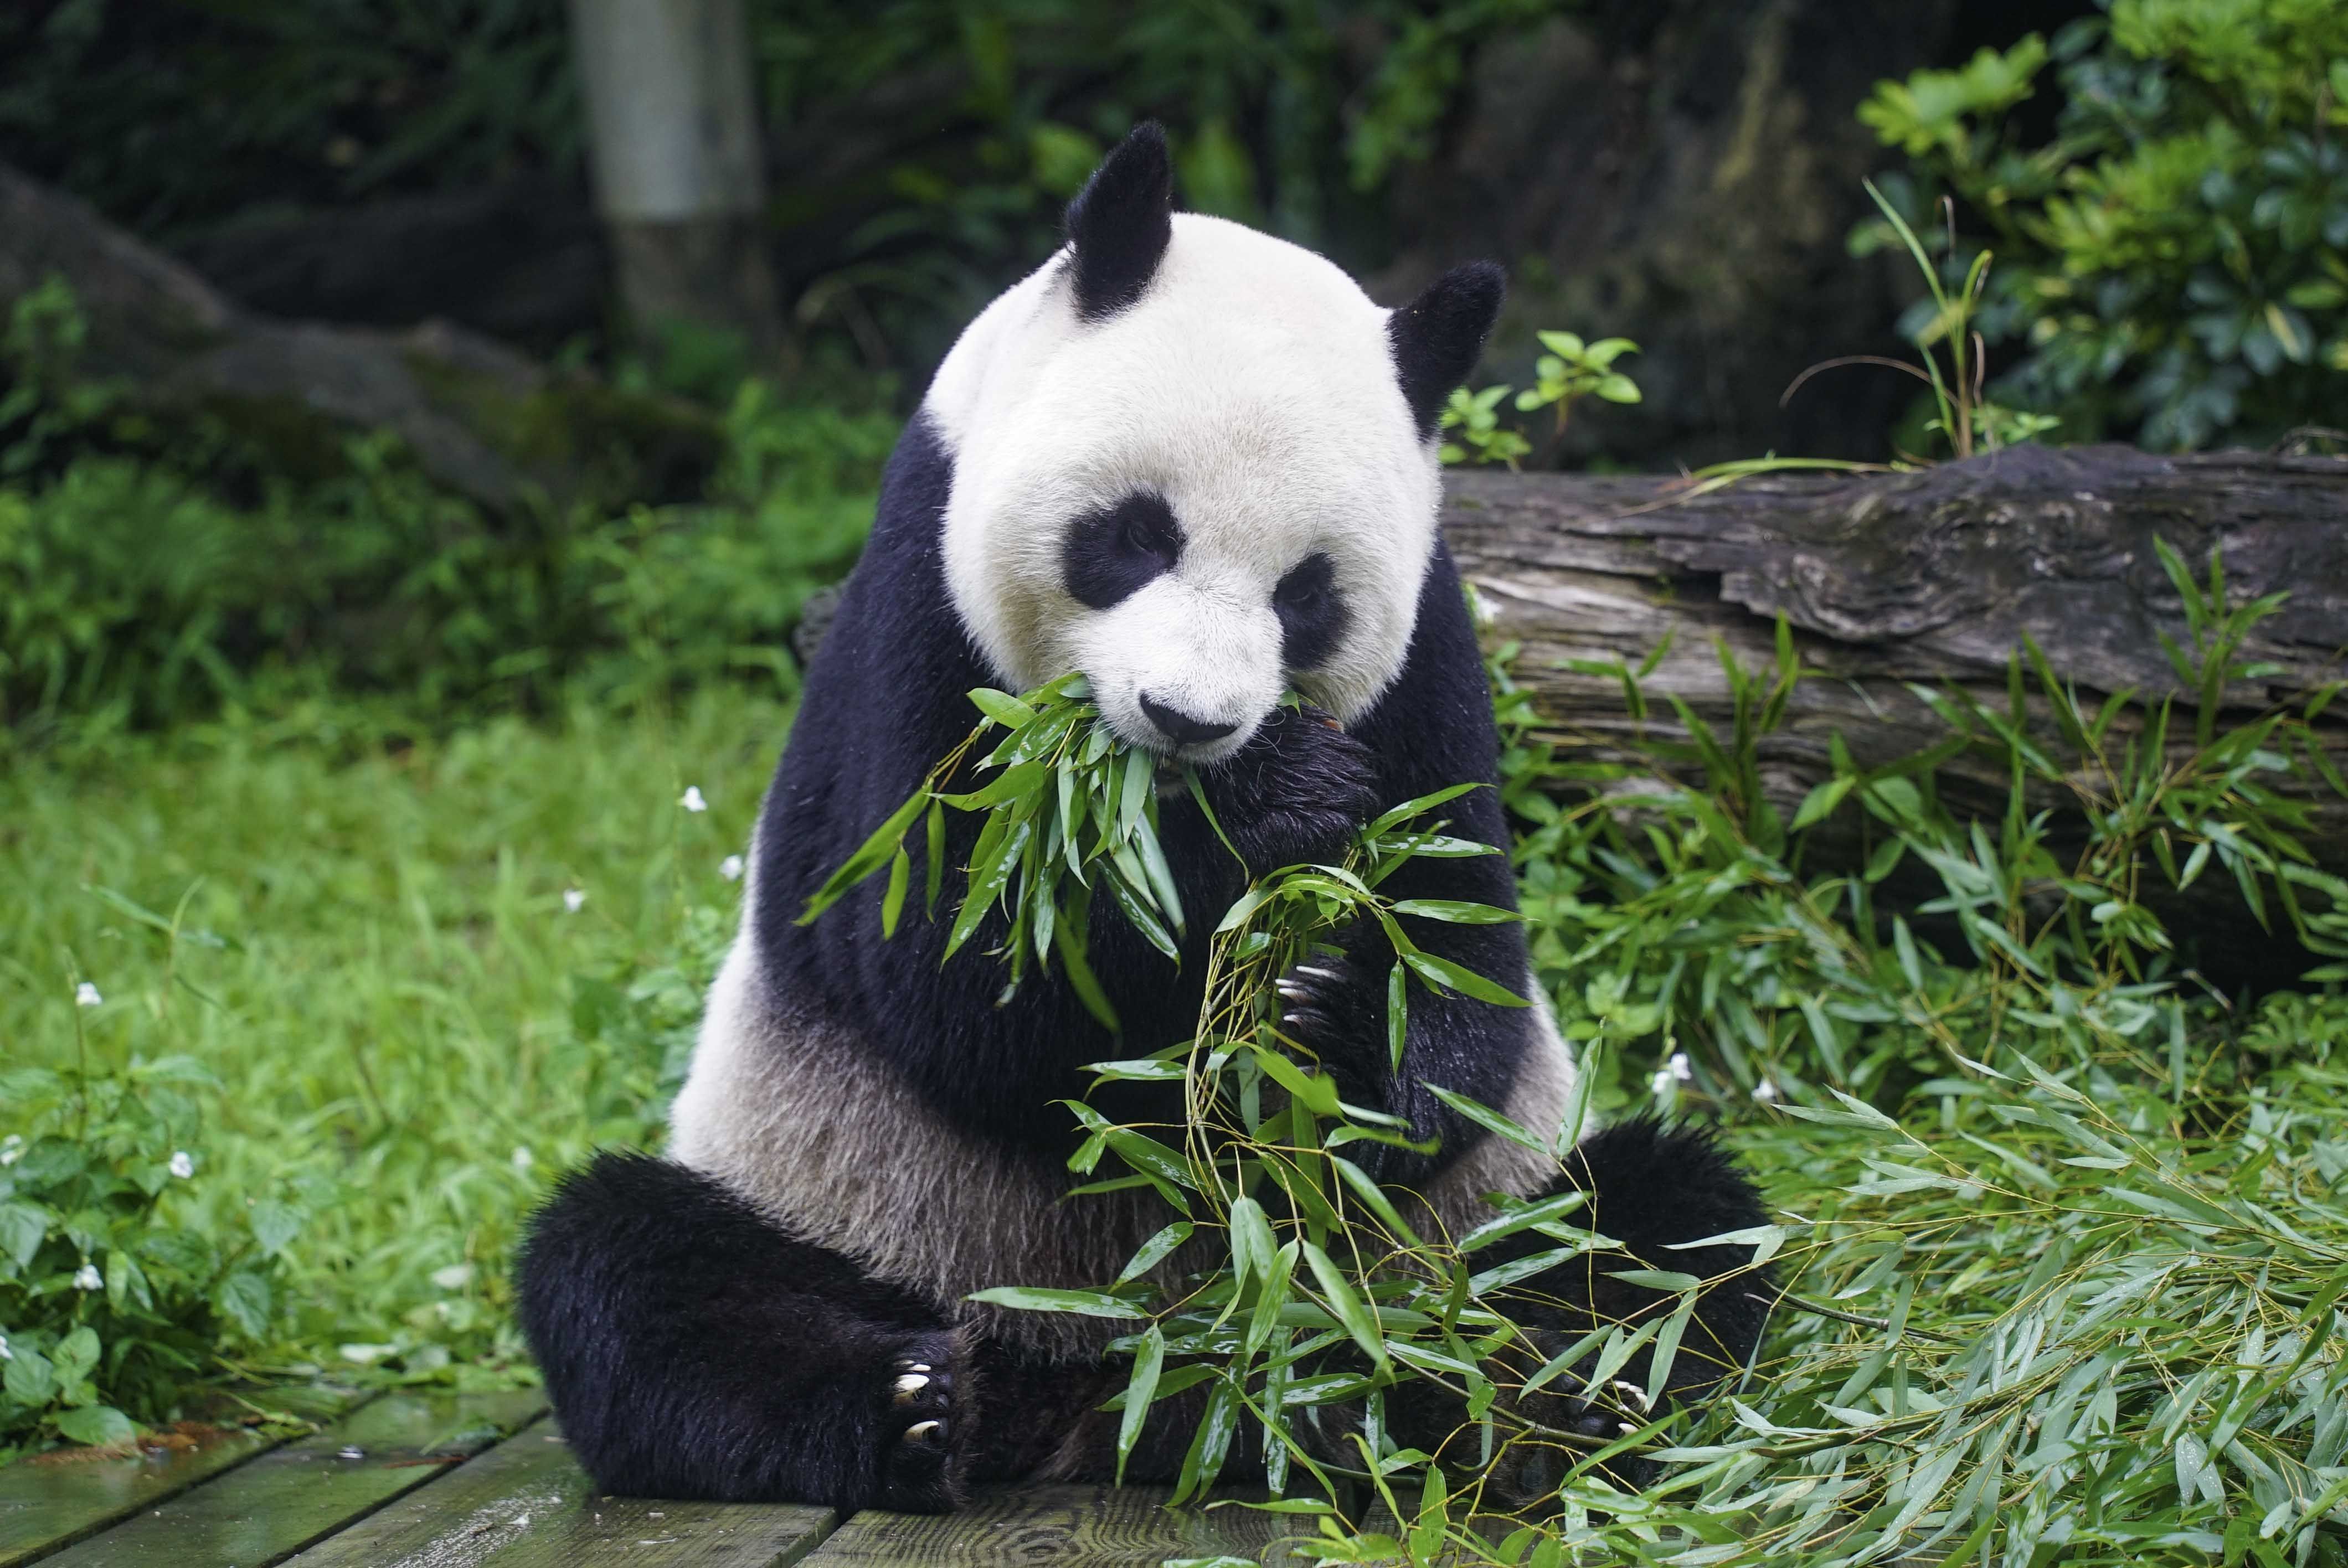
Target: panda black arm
1432, 729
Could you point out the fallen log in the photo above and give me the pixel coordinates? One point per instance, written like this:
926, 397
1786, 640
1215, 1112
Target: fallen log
1934, 578
478, 417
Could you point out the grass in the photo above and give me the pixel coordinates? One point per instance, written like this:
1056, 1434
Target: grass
411, 1030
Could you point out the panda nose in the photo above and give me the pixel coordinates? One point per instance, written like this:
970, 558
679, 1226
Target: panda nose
1180, 728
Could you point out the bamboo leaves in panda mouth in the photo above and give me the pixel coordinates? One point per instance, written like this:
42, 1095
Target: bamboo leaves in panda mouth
1070, 812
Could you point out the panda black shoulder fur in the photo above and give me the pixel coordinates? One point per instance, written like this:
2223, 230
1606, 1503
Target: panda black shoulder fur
1196, 463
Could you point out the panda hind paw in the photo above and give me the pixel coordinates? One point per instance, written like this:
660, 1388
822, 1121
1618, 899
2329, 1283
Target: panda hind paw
922, 1430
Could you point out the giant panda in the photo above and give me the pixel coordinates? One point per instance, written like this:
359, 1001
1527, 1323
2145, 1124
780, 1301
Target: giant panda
1197, 464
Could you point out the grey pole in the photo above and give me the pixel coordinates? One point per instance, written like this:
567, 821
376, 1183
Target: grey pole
672, 131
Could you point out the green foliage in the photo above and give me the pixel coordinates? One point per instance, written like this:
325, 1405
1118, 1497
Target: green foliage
1067, 798
1285, 116
110, 1300
149, 575
1962, 417
2061, 1236
169, 112
402, 1028
1569, 372
2175, 263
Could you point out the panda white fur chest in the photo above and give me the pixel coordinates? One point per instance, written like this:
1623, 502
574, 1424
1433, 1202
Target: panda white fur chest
1197, 464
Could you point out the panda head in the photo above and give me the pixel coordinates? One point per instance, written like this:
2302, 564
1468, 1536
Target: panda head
1197, 464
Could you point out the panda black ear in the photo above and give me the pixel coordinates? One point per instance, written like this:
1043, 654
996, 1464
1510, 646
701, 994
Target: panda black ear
1437, 336
1120, 222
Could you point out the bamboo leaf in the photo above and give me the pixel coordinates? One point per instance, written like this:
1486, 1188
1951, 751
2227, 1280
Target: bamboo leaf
1083, 1303
1489, 1119
1139, 1387
1002, 707
892, 903
869, 857
1448, 975
1346, 1305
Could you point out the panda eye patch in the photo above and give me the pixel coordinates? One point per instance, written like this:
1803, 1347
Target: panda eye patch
1312, 615
1113, 550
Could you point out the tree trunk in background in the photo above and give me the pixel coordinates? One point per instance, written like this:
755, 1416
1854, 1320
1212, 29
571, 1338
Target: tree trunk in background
1931, 578
674, 145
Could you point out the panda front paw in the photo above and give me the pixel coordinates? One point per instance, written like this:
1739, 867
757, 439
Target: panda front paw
922, 1436
1298, 790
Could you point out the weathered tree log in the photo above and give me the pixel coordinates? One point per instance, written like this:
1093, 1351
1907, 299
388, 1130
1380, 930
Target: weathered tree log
477, 416
1932, 578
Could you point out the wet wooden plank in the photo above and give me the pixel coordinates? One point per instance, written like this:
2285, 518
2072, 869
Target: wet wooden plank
526, 1504
52, 1503
272, 1506
1065, 1526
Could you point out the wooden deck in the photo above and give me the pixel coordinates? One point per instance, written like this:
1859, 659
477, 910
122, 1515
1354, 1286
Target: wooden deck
484, 1480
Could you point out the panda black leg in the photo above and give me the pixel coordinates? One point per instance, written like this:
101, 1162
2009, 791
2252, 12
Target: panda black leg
1655, 1188
1651, 1187
692, 1350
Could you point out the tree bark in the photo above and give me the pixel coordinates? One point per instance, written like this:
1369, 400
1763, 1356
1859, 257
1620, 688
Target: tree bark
478, 417
1931, 578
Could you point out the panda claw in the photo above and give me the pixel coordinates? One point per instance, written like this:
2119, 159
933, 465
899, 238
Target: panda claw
1317, 972
908, 1388
926, 1434
912, 1365
1291, 991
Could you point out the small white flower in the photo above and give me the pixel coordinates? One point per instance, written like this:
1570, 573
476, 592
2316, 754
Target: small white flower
87, 1277
692, 799
730, 869
5, 1354
572, 898
522, 1158
12, 1148
1680, 1068
183, 1164
1765, 1092
85, 995
1661, 1084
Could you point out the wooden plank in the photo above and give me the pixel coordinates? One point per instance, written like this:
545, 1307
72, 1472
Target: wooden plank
526, 1504
1066, 1526
270, 1507
52, 1503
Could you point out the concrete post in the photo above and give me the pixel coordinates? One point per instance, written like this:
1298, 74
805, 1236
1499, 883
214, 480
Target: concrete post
672, 130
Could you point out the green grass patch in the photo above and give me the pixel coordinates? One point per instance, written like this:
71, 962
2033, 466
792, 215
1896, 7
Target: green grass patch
394, 1029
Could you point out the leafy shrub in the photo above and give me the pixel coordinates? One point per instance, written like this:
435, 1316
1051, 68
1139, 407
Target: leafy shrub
1568, 371
152, 575
172, 112
2061, 1236
112, 1297
2174, 263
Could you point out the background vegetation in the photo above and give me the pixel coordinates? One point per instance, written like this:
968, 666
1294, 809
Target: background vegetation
363, 851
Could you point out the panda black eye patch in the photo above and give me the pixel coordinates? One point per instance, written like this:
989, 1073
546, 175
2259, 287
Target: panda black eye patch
1111, 552
1312, 615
